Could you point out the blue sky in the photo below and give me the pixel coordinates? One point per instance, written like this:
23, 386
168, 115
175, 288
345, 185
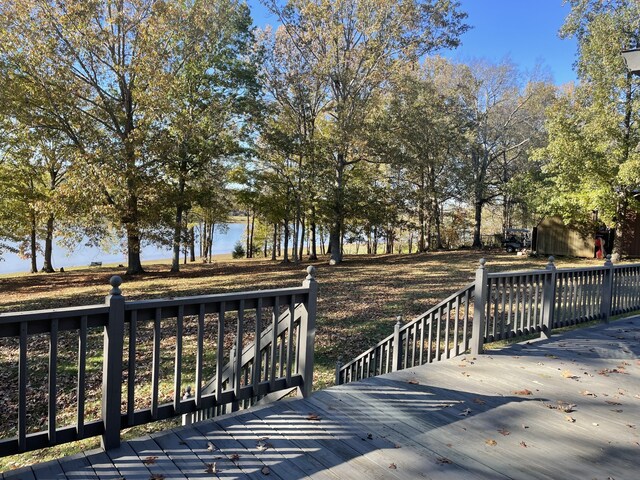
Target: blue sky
526, 31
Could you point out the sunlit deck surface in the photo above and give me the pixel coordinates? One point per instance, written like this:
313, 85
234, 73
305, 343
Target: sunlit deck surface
496, 416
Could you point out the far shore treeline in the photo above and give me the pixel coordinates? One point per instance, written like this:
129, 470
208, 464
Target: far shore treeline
156, 120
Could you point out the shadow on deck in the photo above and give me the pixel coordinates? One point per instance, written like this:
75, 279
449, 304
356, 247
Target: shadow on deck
563, 408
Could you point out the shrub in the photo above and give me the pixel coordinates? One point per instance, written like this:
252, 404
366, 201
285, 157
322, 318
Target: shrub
238, 250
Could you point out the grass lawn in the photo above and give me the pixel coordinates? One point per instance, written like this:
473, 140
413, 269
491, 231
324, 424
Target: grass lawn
358, 304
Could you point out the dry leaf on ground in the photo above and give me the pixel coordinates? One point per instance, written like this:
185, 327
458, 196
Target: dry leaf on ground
491, 442
523, 392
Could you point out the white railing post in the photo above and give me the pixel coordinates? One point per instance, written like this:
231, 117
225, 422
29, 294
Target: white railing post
112, 366
479, 309
307, 333
397, 346
548, 300
607, 290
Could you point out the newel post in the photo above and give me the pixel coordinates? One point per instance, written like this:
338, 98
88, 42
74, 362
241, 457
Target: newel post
308, 332
479, 309
338, 368
548, 300
397, 346
112, 366
607, 290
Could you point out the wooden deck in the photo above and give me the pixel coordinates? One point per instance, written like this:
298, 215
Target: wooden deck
496, 416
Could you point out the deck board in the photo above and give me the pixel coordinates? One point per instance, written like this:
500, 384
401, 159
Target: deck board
463, 418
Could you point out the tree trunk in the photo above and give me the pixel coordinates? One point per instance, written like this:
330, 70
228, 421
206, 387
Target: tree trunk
177, 235
48, 246
279, 237
210, 241
131, 222
275, 241
285, 259
248, 245
203, 238
422, 243
301, 247
314, 252
134, 266
34, 248
335, 230
192, 243
253, 225
437, 222
477, 242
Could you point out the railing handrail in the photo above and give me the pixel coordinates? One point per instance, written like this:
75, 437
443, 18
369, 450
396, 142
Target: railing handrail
408, 325
265, 340
553, 291
118, 316
213, 299
53, 313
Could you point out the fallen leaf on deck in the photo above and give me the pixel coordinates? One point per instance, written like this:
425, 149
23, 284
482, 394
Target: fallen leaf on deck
605, 372
491, 442
211, 468
522, 444
393, 466
479, 401
210, 447
465, 412
569, 419
611, 402
263, 446
504, 432
587, 393
235, 457
149, 460
413, 381
313, 416
522, 392
265, 470
443, 460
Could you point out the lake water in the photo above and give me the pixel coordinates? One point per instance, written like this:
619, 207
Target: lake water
83, 255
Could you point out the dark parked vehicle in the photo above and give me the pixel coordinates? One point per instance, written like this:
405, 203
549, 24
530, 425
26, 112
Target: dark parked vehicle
516, 239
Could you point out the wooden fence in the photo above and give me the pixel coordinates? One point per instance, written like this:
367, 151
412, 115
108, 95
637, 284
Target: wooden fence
499, 306
133, 376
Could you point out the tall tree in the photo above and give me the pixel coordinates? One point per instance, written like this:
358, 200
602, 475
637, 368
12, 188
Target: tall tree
209, 104
501, 128
99, 72
354, 45
592, 158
